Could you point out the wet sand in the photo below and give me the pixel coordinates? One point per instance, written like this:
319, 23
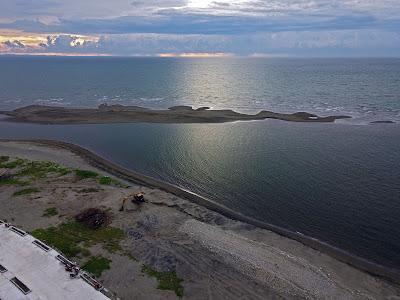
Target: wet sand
218, 256
129, 114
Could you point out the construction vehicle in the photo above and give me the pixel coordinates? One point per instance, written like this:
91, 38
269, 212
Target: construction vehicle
136, 198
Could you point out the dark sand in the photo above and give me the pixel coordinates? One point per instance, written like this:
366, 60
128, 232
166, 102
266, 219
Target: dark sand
129, 114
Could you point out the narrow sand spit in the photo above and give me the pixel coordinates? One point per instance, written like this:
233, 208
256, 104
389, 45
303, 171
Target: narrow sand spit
217, 257
128, 114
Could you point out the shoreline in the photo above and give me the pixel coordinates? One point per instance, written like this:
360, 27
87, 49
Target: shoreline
137, 178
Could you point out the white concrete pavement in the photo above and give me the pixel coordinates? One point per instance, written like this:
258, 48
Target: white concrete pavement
39, 270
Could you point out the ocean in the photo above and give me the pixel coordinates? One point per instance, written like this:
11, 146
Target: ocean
339, 183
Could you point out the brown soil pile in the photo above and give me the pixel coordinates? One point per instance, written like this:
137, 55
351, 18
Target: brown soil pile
93, 218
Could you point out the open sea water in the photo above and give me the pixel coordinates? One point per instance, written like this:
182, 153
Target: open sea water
339, 183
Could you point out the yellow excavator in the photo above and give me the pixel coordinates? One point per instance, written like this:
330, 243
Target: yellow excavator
137, 198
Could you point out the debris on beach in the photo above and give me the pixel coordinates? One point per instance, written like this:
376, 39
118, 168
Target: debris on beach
93, 218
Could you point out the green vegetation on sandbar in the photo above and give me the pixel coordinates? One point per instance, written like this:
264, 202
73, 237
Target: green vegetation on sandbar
74, 238
12, 164
166, 280
12, 181
49, 212
106, 180
41, 169
96, 265
82, 174
32, 169
4, 158
26, 191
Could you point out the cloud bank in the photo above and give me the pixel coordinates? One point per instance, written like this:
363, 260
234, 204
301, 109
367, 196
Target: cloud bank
242, 27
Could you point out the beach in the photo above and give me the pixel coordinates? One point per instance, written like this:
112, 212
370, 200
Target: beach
218, 253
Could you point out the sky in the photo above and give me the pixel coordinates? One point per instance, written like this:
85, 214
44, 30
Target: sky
187, 28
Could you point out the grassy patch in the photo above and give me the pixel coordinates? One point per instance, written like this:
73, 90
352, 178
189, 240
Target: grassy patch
96, 265
13, 164
12, 181
41, 169
49, 212
106, 180
26, 191
82, 174
4, 158
72, 238
166, 280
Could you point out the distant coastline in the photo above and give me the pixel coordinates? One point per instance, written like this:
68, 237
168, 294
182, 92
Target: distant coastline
131, 114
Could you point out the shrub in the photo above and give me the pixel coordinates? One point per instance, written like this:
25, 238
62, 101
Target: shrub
82, 174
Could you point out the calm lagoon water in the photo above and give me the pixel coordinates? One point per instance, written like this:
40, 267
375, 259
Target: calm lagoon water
335, 182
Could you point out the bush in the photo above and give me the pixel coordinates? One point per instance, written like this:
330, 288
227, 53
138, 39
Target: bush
82, 174
105, 180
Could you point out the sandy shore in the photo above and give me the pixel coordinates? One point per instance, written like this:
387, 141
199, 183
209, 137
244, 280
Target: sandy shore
128, 114
216, 256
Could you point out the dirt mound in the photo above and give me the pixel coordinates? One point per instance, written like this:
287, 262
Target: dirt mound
93, 218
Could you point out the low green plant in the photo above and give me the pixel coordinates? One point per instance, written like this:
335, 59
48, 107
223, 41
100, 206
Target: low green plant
12, 181
106, 180
4, 158
13, 164
166, 280
49, 212
96, 265
72, 238
26, 191
82, 174
41, 169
